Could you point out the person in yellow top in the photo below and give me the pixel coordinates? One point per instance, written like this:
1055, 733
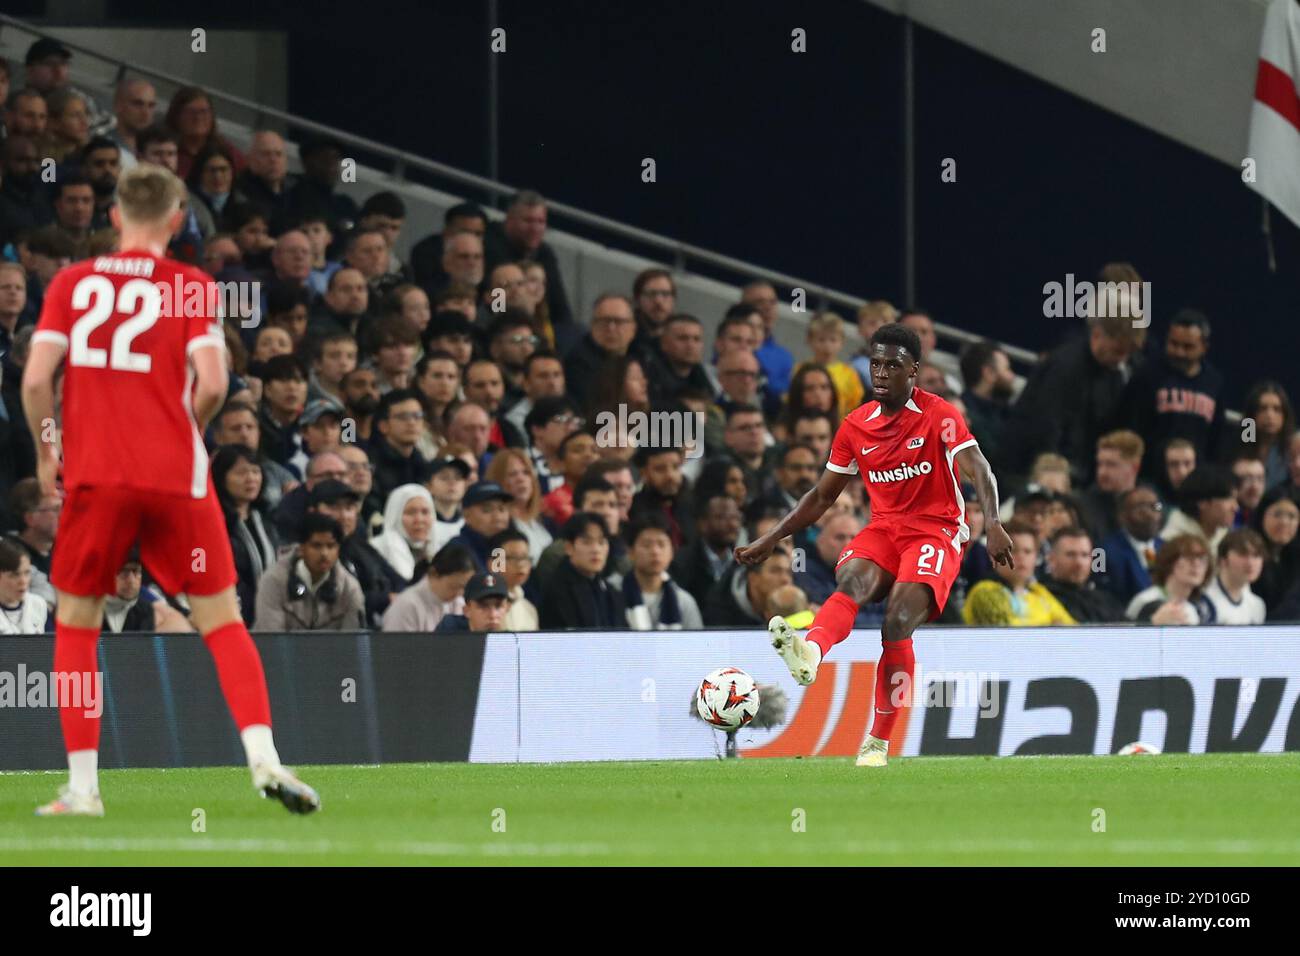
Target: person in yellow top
1015, 599
826, 339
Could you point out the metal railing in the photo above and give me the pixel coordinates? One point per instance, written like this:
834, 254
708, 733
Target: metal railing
680, 254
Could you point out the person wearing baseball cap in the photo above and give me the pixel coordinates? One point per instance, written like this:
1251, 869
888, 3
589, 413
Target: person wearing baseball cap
487, 513
47, 71
447, 479
487, 602
378, 579
320, 427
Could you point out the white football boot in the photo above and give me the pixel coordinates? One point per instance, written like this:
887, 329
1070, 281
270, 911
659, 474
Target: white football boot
874, 752
276, 781
69, 804
800, 655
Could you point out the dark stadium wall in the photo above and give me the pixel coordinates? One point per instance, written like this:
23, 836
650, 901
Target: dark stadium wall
793, 160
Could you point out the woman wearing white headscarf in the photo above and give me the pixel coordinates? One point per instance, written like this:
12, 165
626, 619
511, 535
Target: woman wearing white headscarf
408, 536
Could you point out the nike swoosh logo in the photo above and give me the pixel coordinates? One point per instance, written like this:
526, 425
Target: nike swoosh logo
868, 451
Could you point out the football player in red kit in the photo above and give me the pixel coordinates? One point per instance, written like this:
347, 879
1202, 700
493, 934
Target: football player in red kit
910, 448
139, 340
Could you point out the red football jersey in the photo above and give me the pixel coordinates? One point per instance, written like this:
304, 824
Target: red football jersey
907, 461
129, 322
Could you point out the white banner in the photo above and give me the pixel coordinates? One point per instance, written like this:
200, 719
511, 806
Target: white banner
588, 696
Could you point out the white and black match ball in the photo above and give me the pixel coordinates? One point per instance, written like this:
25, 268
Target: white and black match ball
727, 699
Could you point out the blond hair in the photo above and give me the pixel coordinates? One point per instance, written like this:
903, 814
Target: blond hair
877, 310
147, 194
824, 322
1129, 444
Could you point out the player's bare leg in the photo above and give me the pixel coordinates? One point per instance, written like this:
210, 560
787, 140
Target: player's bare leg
77, 623
239, 669
858, 581
910, 605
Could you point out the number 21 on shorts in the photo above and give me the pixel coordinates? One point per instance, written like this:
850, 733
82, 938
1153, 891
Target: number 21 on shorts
930, 560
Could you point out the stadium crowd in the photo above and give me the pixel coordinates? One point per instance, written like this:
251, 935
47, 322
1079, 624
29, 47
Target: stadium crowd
415, 445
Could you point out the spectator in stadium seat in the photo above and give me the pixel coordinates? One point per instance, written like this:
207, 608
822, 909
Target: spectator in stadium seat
448, 480
470, 425
101, 162
811, 388
26, 114
426, 255
1180, 572
132, 607
462, 261
506, 287
594, 495
192, 117
265, 178
395, 342
13, 300
826, 340
699, 565
270, 341
1014, 598
290, 258
284, 394
521, 235
543, 377
510, 549
487, 605
48, 73
1178, 460
577, 595
1248, 483
452, 333
816, 430
1292, 482
1277, 520
325, 465
366, 250
1119, 462
67, 130
212, 181
237, 479
74, 212
990, 383
422, 606
655, 602
399, 421
37, 520
776, 360
655, 296
1269, 406
320, 235
378, 580
408, 301
620, 389
1206, 508
511, 341
1130, 551
24, 203
796, 472
1240, 564
485, 386
1177, 395
665, 490
360, 477
746, 440
407, 539
1073, 396
740, 598
487, 513
1069, 579
512, 469
237, 424
739, 376
577, 453
613, 329
361, 402
676, 358
21, 610
315, 192
815, 573
921, 322
308, 589
550, 421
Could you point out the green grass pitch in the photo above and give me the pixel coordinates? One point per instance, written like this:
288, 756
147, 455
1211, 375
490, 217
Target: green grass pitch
1217, 809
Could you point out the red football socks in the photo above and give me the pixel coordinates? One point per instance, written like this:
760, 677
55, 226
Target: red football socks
893, 690
80, 707
833, 622
239, 669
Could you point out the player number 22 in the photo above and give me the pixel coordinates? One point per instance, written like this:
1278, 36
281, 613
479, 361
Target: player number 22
138, 298
930, 553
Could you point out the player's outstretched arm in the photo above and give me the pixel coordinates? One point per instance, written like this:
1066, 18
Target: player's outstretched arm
38, 406
976, 467
810, 507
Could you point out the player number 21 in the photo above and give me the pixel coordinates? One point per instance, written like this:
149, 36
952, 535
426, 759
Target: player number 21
138, 298
930, 553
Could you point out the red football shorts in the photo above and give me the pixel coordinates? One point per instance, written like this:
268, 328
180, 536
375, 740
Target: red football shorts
183, 541
911, 550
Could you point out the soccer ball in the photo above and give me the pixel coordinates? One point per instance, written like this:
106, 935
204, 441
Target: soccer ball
1129, 750
727, 699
